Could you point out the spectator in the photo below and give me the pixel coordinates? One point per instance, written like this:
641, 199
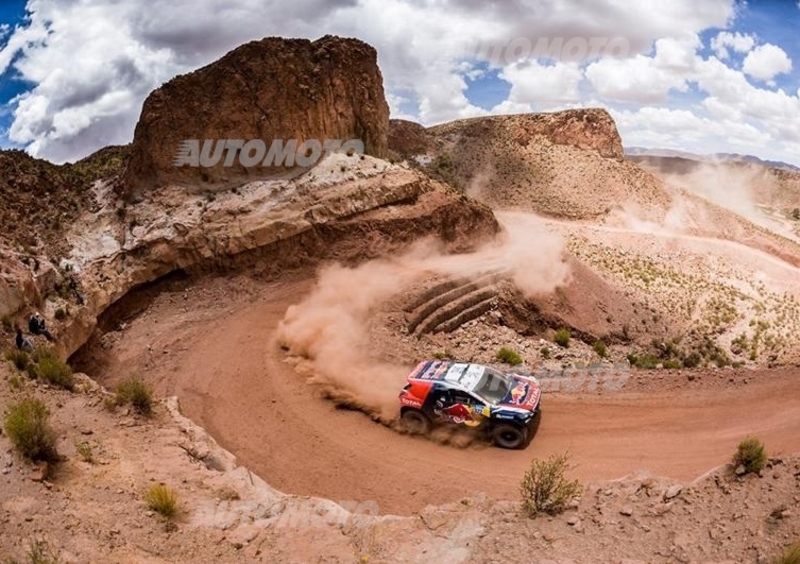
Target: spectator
23, 343
36, 325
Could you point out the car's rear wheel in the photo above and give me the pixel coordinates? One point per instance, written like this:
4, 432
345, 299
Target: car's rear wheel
509, 436
415, 422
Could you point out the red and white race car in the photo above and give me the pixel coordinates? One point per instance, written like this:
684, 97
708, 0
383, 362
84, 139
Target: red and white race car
449, 392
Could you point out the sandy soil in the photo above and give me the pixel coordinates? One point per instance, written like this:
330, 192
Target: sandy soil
213, 343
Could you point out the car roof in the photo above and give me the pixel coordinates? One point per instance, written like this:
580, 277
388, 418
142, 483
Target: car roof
460, 375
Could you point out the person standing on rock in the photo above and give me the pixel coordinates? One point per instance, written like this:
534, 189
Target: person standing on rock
36, 325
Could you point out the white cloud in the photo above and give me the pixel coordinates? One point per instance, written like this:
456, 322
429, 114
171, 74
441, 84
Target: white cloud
739, 42
93, 62
767, 61
542, 86
647, 79
119, 51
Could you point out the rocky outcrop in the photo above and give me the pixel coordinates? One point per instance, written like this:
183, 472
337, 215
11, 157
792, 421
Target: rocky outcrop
407, 137
591, 129
348, 208
567, 164
270, 89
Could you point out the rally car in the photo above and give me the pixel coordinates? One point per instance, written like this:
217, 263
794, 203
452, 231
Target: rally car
448, 392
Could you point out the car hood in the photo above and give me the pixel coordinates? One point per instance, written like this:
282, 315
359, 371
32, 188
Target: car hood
524, 394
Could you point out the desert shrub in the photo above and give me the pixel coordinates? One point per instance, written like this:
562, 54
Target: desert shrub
39, 552
509, 356
544, 488
443, 355
644, 361
55, 371
136, 392
751, 454
796, 214
18, 358
672, 364
692, 360
26, 424
162, 500
84, 450
15, 382
791, 555
562, 337
110, 403
7, 322
545, 352
60, 314
599, 347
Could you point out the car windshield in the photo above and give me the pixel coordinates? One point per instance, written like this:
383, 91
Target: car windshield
493, 386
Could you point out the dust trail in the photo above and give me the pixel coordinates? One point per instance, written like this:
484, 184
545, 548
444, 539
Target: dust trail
743, 190
329, 327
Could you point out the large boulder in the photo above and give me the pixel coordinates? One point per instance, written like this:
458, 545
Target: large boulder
272, 89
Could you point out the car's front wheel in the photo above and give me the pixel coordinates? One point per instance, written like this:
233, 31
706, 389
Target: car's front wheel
509, 436
415, 422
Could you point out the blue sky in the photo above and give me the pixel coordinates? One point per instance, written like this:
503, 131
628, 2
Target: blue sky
701, 76
12, 13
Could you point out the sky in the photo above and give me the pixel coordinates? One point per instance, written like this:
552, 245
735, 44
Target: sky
703, 76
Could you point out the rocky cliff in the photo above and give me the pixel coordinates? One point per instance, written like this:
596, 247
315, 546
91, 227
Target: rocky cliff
566, 164
270, 89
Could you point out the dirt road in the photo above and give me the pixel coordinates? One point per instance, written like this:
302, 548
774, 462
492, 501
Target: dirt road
233, 379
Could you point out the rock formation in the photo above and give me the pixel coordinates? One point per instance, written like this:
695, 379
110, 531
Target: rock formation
272, 89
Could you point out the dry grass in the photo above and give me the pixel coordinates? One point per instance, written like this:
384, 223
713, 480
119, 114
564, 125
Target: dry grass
791, 555
162, 500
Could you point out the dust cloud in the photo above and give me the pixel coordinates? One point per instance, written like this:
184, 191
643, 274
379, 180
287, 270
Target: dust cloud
738, 189
329, 329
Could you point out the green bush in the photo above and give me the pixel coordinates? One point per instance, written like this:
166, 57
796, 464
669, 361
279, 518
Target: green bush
544, 487
562, 337
53, 370
692, 360
644, 361
60, 314
136, 392
18, 358
751, 454
599, 347
26, 424
509, 356
791, 555
545, 352
162, 500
